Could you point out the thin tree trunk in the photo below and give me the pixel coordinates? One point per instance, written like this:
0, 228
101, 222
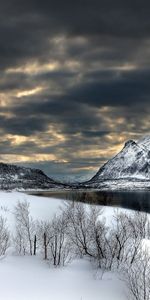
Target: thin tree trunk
45, 246
30, 247
34, 245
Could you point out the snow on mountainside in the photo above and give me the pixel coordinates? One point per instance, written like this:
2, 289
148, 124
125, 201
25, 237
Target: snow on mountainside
145, 142
16, 177
132, 162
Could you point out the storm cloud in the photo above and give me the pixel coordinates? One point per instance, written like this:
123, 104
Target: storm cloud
74, 82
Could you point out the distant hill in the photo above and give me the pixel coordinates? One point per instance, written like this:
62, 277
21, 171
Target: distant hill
22, 178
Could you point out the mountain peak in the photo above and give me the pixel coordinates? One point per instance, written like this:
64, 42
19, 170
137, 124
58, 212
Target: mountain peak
130, 143
133, 161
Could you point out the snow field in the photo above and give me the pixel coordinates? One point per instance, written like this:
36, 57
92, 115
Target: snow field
31, 278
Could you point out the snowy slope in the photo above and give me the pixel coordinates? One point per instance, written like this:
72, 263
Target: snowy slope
16, 177
132, 162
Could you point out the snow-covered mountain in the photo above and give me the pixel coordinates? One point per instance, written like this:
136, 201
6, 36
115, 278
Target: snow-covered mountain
132, 162
16, 177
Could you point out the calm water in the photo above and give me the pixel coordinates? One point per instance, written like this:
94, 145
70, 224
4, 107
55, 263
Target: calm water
133, 200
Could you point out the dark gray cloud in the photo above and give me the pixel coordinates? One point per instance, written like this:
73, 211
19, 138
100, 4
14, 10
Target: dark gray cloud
27, 26
27, 125
128, 88
74, 80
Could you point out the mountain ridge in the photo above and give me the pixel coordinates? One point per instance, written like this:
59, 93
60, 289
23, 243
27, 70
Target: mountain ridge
24, 178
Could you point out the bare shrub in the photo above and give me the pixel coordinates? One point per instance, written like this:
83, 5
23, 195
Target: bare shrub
137, 277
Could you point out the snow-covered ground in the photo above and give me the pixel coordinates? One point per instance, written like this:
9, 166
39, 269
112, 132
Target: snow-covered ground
31, 278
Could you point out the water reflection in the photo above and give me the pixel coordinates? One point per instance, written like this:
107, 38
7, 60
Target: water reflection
132, 200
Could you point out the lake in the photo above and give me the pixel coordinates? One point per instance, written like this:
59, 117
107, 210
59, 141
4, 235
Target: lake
132, 200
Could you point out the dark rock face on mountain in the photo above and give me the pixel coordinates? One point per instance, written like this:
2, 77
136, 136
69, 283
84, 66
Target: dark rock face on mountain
21, 178
132, 164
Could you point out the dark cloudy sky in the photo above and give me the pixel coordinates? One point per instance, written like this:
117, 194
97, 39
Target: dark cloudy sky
74, 81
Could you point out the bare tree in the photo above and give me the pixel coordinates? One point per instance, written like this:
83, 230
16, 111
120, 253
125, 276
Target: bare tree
79, 228
86, 230
20, 240
24, 226
44, 235
123, 240
4, 236
53, 240
59, 245
97, 235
